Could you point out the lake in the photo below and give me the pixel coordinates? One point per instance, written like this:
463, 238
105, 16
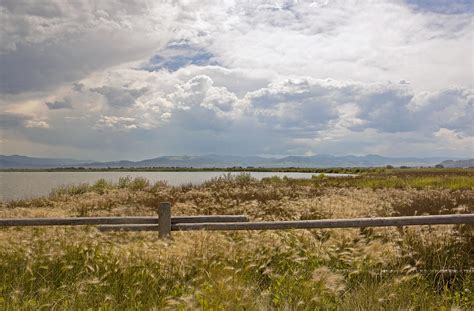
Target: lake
24, 185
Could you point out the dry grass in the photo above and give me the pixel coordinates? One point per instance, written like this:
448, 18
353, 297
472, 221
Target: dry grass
80, 268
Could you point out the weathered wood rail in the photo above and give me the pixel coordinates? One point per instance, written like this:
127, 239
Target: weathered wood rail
165, 223
332, 223
114, 220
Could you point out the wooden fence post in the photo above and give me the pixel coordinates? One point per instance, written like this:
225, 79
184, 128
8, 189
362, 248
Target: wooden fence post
164, 220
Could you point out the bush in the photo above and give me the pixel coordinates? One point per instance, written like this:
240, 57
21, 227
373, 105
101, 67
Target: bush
139, 183
101, 186
68, 190
124, 182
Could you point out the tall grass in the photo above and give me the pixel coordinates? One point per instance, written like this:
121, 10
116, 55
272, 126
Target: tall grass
68, 269
447, 182
342, 269
451, 182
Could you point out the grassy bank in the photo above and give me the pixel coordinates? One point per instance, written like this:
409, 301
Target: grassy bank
348, 269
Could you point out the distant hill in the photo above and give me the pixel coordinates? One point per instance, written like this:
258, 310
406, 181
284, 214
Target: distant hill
206, 161
458, 163
212, 160
19, 161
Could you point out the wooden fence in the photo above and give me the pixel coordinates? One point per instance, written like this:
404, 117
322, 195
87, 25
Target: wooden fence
165, 222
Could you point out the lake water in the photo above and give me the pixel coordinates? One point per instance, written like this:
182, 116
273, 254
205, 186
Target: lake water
23, 185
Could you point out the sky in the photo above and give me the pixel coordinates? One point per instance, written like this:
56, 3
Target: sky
108, 80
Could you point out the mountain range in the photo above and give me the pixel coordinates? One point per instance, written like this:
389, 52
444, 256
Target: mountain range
19, 161
212, 160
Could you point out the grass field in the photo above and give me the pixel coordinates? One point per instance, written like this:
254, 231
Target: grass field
344, 269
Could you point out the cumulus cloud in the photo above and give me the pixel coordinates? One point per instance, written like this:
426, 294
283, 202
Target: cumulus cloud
454, 139
119, 123
282, 77
343, 40
37, 124
62, 41
300, 114
451, 108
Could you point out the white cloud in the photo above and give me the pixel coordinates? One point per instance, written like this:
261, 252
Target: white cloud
283, 77
62, 41
118, 123
359, 40
452, 140
36, 124
451, 108
296, 115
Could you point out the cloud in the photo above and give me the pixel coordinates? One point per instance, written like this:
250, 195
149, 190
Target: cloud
62, 41
36, 124
344, 41
14, 121
118, 123
66, 41
295, 115
119, 97
61, 104
283, 77
178, 55
293, 104
451, 138
451, 108
308, 104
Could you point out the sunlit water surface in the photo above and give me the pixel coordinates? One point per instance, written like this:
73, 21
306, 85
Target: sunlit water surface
24, 185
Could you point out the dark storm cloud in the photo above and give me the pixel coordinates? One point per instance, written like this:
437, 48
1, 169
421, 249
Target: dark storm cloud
12, 120
61, 104
119, 97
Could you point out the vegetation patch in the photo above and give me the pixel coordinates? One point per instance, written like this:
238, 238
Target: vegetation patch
338, 269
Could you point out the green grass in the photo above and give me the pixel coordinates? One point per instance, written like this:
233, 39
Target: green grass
53, 271
447, 182
381, 181
101, 186
79, 268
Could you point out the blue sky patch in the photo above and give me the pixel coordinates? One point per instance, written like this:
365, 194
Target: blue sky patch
443, 6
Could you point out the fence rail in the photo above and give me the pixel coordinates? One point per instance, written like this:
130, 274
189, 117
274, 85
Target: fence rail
165, 223
332, 223
139, 220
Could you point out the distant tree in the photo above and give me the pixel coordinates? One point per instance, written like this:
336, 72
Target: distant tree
389, 167
439, 166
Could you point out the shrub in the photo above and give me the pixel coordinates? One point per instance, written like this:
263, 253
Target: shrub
124, 181
101, 186
68, 190
139, 183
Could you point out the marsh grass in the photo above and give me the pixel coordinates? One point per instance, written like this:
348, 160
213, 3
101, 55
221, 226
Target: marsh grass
341, 269
393, 181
